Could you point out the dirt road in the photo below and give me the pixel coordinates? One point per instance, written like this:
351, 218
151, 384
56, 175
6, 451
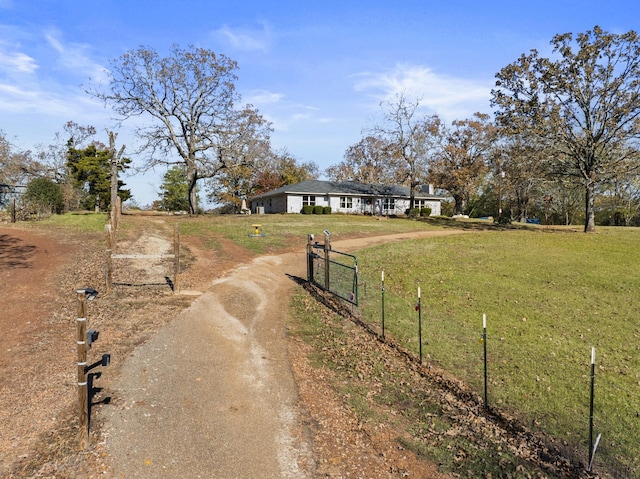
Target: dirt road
212, 393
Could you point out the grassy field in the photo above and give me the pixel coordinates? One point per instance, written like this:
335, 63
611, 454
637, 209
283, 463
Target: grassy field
290, 231
549, 297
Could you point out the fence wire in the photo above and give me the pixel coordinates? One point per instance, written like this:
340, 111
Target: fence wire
556, 378
342, 277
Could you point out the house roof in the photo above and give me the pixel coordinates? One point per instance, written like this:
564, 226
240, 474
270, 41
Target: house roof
347, 188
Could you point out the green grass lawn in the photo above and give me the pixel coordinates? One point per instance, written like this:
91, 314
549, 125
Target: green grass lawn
287, 231
549, 297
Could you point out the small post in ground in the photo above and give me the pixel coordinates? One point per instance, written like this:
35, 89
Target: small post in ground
382, 304
593, 378
484, 342
419, 308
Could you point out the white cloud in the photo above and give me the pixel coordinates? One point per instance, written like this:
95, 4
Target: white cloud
245, 38
450, 97
16, 62
75, 59
263, 97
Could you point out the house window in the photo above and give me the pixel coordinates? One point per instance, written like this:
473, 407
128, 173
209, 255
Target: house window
388, 204
420, 204
346, 202
308, 200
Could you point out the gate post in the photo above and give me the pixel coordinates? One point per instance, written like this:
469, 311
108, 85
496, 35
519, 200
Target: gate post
327, 248
309, 258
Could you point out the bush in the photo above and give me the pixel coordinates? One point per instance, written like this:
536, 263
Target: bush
317, 210
326, 210
307, 210
426, 211
44, 196
503, 220
413, 212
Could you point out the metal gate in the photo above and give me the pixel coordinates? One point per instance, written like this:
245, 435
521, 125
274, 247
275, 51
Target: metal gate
331, 270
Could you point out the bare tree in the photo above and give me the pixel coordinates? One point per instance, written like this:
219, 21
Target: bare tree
412, 140
371, 160
191, 99
585, 105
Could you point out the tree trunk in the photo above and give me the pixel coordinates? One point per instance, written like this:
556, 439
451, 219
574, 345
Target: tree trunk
589, 217
460, 205
114, 162
192, 176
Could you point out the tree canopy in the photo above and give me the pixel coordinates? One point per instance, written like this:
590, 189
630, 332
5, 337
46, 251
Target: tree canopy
90, 170
371, 160
174, 190
461, 164
191, 99
583, 105
411, 140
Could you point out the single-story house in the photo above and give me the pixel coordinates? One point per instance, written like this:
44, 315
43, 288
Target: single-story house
345, 197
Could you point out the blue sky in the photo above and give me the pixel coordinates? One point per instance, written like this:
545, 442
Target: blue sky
317, 70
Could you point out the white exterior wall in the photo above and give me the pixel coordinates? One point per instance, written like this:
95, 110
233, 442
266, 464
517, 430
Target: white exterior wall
275, 204
356, 207
293, 204
435, 208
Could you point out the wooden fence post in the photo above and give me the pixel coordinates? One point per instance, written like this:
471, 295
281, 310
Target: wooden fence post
81, 340
108, 258
176, 259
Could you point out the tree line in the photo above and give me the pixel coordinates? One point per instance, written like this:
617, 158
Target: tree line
561, 145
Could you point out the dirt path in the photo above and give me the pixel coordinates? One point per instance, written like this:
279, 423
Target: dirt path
212, 394
33, 386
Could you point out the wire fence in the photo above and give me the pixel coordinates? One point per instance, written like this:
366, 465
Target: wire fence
494, 366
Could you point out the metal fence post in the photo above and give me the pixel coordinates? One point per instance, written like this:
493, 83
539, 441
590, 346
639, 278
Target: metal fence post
484, 342
593, 377
382, 304
420, 323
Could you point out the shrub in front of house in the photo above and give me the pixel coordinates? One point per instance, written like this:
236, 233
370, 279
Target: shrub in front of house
426, 211
326, 210
307, 210
317, 210
413, 212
